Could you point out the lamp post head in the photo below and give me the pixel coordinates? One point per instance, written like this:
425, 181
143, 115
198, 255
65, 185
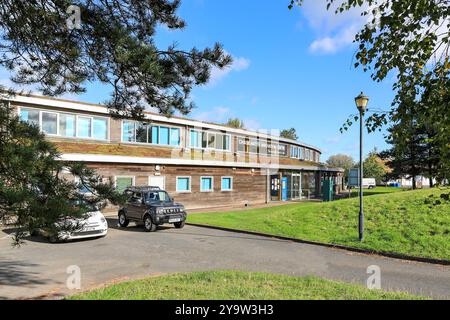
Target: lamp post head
361, 102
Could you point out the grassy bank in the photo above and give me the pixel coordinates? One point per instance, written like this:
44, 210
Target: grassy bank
235, 285
409, 222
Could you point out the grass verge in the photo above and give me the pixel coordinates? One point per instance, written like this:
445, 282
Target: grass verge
237, 285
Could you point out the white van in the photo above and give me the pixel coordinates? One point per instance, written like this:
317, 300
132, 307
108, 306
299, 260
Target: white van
369, 183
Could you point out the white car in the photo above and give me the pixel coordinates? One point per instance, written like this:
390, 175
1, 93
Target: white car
93, 226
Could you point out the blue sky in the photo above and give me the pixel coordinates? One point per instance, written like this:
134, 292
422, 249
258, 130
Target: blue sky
293, 68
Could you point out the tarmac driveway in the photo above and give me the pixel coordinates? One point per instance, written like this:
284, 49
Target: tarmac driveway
38, 268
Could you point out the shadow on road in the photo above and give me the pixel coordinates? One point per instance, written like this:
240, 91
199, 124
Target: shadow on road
15, 273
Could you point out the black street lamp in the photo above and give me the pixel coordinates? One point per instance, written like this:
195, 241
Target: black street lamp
361, 103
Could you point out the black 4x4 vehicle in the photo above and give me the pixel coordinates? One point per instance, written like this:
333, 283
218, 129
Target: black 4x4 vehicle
152, 207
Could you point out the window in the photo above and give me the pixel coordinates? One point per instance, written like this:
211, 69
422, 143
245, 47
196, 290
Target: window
124, 182
227, 183
84, 127
206, 184
163, 135
29, 115
301, 153
100, 128
183, 184
67, 125
140, 132
209, 140
155, 135
50, 123
195, 139
282, 150
143, 133
253, 146
294, 152
174, 136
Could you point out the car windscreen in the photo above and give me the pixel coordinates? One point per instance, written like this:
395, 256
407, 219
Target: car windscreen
157, 196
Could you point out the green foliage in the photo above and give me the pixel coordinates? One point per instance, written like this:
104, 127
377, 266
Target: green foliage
410, 39
400, 222
114, 44
289, 134
235, 123
343, 161
34, 190
374, 167
236, 285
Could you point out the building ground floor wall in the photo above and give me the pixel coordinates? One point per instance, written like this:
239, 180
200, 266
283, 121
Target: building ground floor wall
202, 187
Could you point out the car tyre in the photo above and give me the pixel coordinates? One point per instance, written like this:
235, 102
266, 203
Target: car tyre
179, 225
149, 226
123, 221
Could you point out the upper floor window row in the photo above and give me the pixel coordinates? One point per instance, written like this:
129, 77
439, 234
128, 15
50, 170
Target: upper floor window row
261, 146
66, 124
143, 132
209, 140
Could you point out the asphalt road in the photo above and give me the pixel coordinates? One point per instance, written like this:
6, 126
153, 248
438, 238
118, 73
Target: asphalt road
38, 268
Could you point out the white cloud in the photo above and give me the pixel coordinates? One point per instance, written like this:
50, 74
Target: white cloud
239, 64
334, 32
218, 114
252, 124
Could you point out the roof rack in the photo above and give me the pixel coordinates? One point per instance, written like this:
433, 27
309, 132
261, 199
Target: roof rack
143, 188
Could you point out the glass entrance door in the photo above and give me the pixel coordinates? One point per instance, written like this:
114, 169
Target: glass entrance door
295, 186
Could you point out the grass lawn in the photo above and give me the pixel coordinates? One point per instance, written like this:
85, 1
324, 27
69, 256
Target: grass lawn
235, 285
377, 190
410, 222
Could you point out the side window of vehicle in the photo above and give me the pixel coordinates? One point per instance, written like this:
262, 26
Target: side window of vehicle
137, 196
129, 195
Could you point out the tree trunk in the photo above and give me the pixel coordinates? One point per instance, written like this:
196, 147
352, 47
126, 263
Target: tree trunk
414, 186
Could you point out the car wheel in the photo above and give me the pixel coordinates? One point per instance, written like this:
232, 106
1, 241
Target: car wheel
149, 226
123, 221
53, 239
179, 225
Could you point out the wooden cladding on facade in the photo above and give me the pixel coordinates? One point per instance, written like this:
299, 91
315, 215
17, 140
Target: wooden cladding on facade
249, 186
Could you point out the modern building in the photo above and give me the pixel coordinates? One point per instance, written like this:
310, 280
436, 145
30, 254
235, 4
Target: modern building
200, 164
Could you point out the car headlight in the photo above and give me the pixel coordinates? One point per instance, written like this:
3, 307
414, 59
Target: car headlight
103, 220
159, 211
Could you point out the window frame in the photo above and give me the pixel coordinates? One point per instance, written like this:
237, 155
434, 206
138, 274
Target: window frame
133, 183
231, 183
76, 115
207, 133
183, 177
41, 123
149, 134
212, 183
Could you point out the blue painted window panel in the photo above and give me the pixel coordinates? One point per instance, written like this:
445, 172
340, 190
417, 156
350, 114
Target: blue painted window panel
183, 184
84, 127
206, 184
128, 131
163, 135
226, 184
155, 135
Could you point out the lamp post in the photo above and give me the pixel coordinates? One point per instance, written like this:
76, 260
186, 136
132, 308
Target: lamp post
361, 103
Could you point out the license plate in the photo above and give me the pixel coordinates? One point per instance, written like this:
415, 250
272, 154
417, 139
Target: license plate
175, 220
